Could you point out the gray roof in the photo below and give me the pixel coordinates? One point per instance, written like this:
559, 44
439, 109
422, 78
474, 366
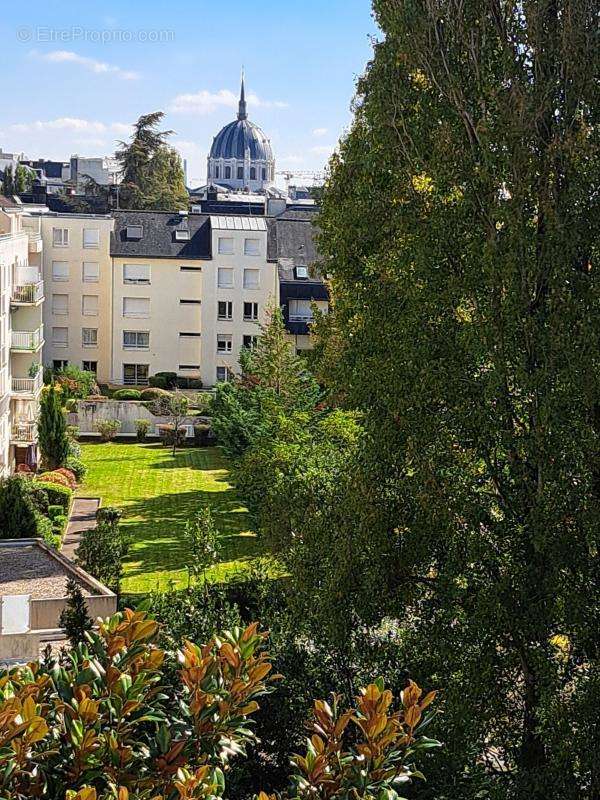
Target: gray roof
239, 137
291, 242
158, 236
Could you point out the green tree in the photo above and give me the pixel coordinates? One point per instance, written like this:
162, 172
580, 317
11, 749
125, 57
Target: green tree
458, 226
202, 539
18, 513
151, 171
8, 182
23, 179
74, 619
52, 428
174, 406
102, 550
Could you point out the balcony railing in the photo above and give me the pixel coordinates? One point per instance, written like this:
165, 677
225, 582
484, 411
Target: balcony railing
27, 340
305, 316
28, 293
28, 385
24, 432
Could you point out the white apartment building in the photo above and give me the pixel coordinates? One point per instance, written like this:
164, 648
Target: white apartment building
21, 335
141, 292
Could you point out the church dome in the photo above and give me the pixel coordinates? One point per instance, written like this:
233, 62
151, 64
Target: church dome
241, 139
241, 157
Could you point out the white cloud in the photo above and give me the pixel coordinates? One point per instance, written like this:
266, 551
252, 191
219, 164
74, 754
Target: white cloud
91, 64
318, 132
205, 102
322, 149
291, 159
73, 124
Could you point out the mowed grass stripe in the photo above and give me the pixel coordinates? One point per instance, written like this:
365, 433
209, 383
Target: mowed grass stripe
158, 493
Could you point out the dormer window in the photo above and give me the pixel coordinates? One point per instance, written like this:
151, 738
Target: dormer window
302, 272
134, 231
182, 236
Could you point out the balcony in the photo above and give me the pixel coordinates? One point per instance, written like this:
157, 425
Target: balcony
27, 387
27, 341
23, 432
35, 241
28, 294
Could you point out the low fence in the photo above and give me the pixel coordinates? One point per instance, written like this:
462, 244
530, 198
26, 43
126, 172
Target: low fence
90, 412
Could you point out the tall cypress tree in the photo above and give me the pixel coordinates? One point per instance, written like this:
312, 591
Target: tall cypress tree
460, 232
52, 428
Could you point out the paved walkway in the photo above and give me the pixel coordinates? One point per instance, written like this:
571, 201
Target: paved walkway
83, 517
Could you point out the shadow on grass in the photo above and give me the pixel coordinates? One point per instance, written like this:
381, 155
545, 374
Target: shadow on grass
157, 540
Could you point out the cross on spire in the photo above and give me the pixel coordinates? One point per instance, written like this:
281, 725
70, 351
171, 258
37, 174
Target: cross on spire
242, 114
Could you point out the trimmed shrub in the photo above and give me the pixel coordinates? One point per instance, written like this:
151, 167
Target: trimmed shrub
201, 434
39, 497
46, 531
55, 477
164, 380
168, 436
18, 514
59, 524
57, 495
77, 467
69, 475
153, 394
188, 383
109, 514
141, 429
108, 428
127, 394
55, 511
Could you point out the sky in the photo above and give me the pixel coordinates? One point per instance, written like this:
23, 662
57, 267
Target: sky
81, 72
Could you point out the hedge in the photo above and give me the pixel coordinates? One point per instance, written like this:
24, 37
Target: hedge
57, 495
127, 394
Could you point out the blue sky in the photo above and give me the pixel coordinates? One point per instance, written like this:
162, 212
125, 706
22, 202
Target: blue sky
82, 72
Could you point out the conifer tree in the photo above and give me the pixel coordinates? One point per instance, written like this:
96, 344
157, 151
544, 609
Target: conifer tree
52, 428
74, 619
8, 184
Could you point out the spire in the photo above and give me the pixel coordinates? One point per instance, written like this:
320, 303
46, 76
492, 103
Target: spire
242, 106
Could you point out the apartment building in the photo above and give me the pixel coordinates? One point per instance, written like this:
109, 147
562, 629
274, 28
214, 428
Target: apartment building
21, 335
77, 270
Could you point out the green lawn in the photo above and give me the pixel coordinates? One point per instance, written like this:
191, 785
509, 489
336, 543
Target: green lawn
158, 493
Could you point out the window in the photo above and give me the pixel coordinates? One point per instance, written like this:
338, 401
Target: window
300, 310
60, 270
189, 366
89, 305
251, 278
135, 374
224, 343
60, 337
91, 272
225, 309
134, 232
251, 311
190, 269
249, 342
188, 302
182, 236
251, 247
225, 277
227, 172
89, 337
60, 237
189, 334
136, 340
59, 363
60, 304
90, 366
136, 307
223, 374
136, 273
302, 272
240, 173
252, 173
91, 237
264, 174
225, 246
216, 172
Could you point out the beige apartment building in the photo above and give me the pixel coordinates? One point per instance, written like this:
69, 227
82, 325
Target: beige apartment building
21, 335
141, 292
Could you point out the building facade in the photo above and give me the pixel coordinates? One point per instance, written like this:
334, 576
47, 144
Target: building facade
21, 336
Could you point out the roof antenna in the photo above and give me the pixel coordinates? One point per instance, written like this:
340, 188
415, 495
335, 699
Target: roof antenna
242, 106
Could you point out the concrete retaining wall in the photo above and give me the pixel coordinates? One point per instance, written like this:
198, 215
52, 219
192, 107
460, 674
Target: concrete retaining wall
89, 412
45, 614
